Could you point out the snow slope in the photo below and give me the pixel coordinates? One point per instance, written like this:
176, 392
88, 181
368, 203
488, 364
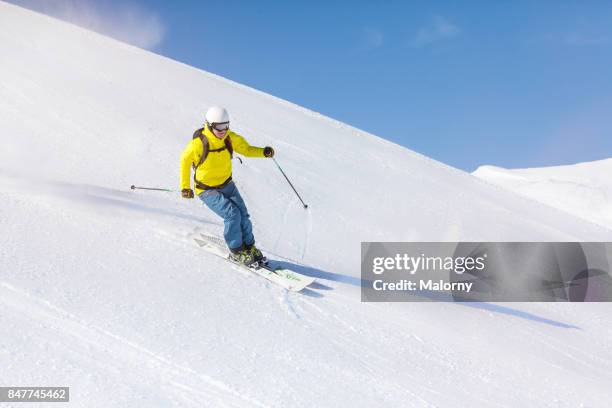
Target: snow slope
583, 189
103, 290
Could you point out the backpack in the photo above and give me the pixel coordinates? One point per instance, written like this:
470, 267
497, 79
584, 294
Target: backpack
206, 150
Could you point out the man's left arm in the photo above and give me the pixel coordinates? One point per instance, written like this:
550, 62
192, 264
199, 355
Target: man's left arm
241, 146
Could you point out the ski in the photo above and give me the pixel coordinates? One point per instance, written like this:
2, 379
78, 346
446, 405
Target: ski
286, 278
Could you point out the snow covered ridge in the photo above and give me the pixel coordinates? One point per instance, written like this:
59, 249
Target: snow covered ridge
583, 189
102, 289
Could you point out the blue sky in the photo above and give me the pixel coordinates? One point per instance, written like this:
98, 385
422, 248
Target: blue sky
508, 83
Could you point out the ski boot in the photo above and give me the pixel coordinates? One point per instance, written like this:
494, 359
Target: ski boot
242, 256
255, 253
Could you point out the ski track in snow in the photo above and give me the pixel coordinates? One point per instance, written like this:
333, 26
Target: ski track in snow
361, 352
286, 301
282, 226
122, 355
308, 233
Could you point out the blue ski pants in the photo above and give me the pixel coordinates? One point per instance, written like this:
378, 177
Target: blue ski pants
227, 203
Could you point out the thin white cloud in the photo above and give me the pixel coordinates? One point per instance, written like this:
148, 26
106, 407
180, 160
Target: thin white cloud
583, 32
437, 30
373, 38
585, 40
123, 21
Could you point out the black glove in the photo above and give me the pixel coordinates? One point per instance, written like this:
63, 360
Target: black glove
268, 151
187, 193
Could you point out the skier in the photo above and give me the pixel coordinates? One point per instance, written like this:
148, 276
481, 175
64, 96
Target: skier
210, 153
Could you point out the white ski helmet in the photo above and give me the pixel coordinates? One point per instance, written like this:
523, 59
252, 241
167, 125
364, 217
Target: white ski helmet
217, 114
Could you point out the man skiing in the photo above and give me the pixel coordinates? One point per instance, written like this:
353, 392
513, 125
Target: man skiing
210, 153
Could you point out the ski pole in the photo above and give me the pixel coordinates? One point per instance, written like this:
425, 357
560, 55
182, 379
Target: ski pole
287, 178
133, 187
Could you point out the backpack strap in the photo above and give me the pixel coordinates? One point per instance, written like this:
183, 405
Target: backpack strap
229, 147
198, 135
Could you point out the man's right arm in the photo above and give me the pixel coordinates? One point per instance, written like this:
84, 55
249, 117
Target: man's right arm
186, 162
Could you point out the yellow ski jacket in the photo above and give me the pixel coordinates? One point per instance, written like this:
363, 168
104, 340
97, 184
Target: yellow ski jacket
217, 167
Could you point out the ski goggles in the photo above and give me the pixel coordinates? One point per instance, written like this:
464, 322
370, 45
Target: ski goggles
220, 127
